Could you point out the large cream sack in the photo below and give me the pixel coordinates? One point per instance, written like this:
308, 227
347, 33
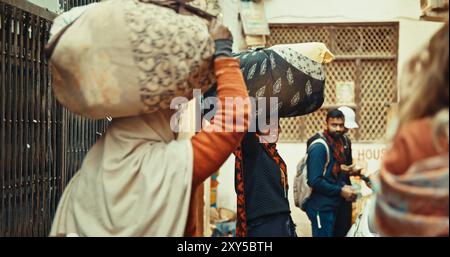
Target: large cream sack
124, 58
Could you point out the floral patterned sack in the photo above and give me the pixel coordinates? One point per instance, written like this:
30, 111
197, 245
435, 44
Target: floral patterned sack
128, 57
293, 73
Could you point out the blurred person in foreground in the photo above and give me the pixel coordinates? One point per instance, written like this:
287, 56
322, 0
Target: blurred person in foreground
414, 184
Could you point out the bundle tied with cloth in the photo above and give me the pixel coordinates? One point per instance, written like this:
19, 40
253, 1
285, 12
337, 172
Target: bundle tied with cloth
294, 73
127, 59
122, 58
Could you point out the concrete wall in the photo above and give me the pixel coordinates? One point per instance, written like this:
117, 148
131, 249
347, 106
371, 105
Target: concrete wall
51, 5
288, 11
414, 33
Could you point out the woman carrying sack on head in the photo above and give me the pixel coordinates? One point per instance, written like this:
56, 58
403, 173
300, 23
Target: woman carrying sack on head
138, 179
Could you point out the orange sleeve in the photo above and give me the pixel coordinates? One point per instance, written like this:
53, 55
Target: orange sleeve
397, 159
211, 149
414, 142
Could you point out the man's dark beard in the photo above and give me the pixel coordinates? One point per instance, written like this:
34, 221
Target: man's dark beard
336, 135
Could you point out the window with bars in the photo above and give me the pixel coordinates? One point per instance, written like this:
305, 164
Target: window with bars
366, 54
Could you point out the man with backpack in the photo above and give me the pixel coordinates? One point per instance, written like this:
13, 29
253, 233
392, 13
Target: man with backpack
325, 155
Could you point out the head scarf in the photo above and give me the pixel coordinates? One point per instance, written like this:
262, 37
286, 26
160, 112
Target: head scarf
415, 203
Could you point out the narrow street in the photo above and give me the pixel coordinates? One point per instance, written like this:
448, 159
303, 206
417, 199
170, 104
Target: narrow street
314, 57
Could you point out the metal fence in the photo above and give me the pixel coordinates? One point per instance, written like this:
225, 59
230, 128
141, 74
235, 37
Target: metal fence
41, 143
